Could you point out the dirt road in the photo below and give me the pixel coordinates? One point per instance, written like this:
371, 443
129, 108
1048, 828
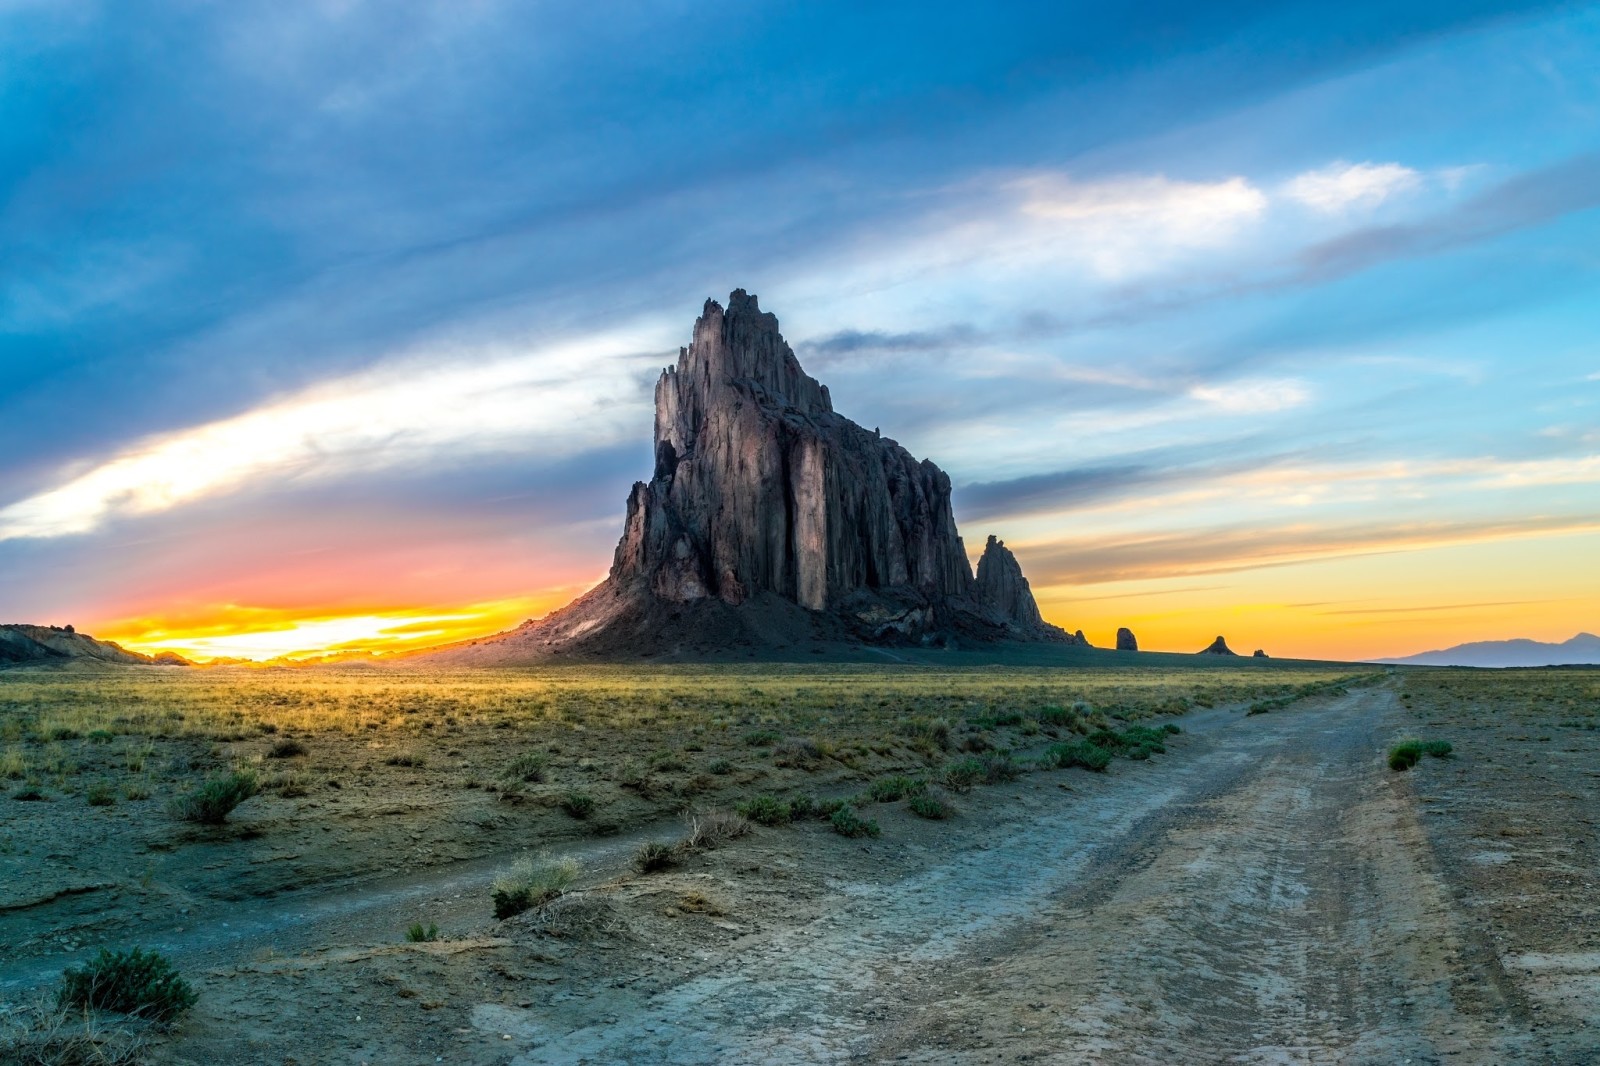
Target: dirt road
1266, 898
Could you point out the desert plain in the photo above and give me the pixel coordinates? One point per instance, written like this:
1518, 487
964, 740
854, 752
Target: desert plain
1247, 880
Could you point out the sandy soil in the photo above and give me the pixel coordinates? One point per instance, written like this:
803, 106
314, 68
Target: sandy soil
1266, 892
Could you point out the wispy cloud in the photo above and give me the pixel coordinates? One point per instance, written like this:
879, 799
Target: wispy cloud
553, 404
1193, 552
1342, 186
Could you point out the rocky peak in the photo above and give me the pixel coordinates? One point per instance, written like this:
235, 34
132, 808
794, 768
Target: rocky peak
1001, 588
1218, 647
765, 504
1126, 640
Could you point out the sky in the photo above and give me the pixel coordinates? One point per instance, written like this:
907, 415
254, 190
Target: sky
333, 325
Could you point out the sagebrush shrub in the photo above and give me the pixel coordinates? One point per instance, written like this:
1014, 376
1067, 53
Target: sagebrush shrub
578, 804
653, 855
531, 882
214, 799
137, 982
527, 768
928, 805
846, 822
766, 810
962, 774
1405, 755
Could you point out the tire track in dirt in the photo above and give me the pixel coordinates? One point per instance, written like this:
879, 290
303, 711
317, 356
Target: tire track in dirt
1266, 899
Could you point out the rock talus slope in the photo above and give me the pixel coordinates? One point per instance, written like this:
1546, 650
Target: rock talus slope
771, 519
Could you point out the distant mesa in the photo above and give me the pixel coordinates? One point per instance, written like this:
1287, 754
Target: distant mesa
1218, 647
1259, 654
1126, 641
1581, 650
771, 521
59, 645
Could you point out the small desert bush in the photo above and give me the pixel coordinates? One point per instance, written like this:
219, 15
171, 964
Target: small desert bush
653, 856
1407, 753
999, 767
801, 752
928, 733
287, 748
101, 794
930, 805
760, 738
846, 822
1137, 742
721, 767
13, 764
962, 774
210, 802
713, 828
528, 768
407, 758
1404, 756
578, 804
531, 882
894, 787
1054, 716
422, 934
766, 810
1077, 753
137, 982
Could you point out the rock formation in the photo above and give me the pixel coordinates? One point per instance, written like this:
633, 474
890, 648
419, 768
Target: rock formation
1218, 647
1259, 654
770, 519
28, 644
1126, 640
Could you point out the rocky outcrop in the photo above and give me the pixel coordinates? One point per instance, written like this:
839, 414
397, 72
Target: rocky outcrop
1218, 647
1126, 640
1259, 654
28, 644
1002, 591
769, 514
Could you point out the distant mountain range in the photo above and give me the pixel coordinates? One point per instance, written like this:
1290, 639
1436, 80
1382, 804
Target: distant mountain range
1581, 649
28, 644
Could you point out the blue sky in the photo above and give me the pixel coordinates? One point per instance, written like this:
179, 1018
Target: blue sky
1214, 312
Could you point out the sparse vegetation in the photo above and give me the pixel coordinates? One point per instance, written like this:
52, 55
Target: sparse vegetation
136, 982
962, 774
213, 800
847, 822
528, 768
929, 804
578, 804
418, 933
1072, 753
531, 882
713, 828
895, 787
286, 748
766, 810
653, 856
1407, 753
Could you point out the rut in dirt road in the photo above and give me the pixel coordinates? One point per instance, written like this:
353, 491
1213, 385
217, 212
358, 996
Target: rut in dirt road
1266, 898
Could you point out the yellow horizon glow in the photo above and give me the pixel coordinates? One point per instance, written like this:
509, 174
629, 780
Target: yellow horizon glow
264, 634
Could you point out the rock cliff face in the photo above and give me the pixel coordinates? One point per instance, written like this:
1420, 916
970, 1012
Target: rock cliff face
1126, 640
770, 518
